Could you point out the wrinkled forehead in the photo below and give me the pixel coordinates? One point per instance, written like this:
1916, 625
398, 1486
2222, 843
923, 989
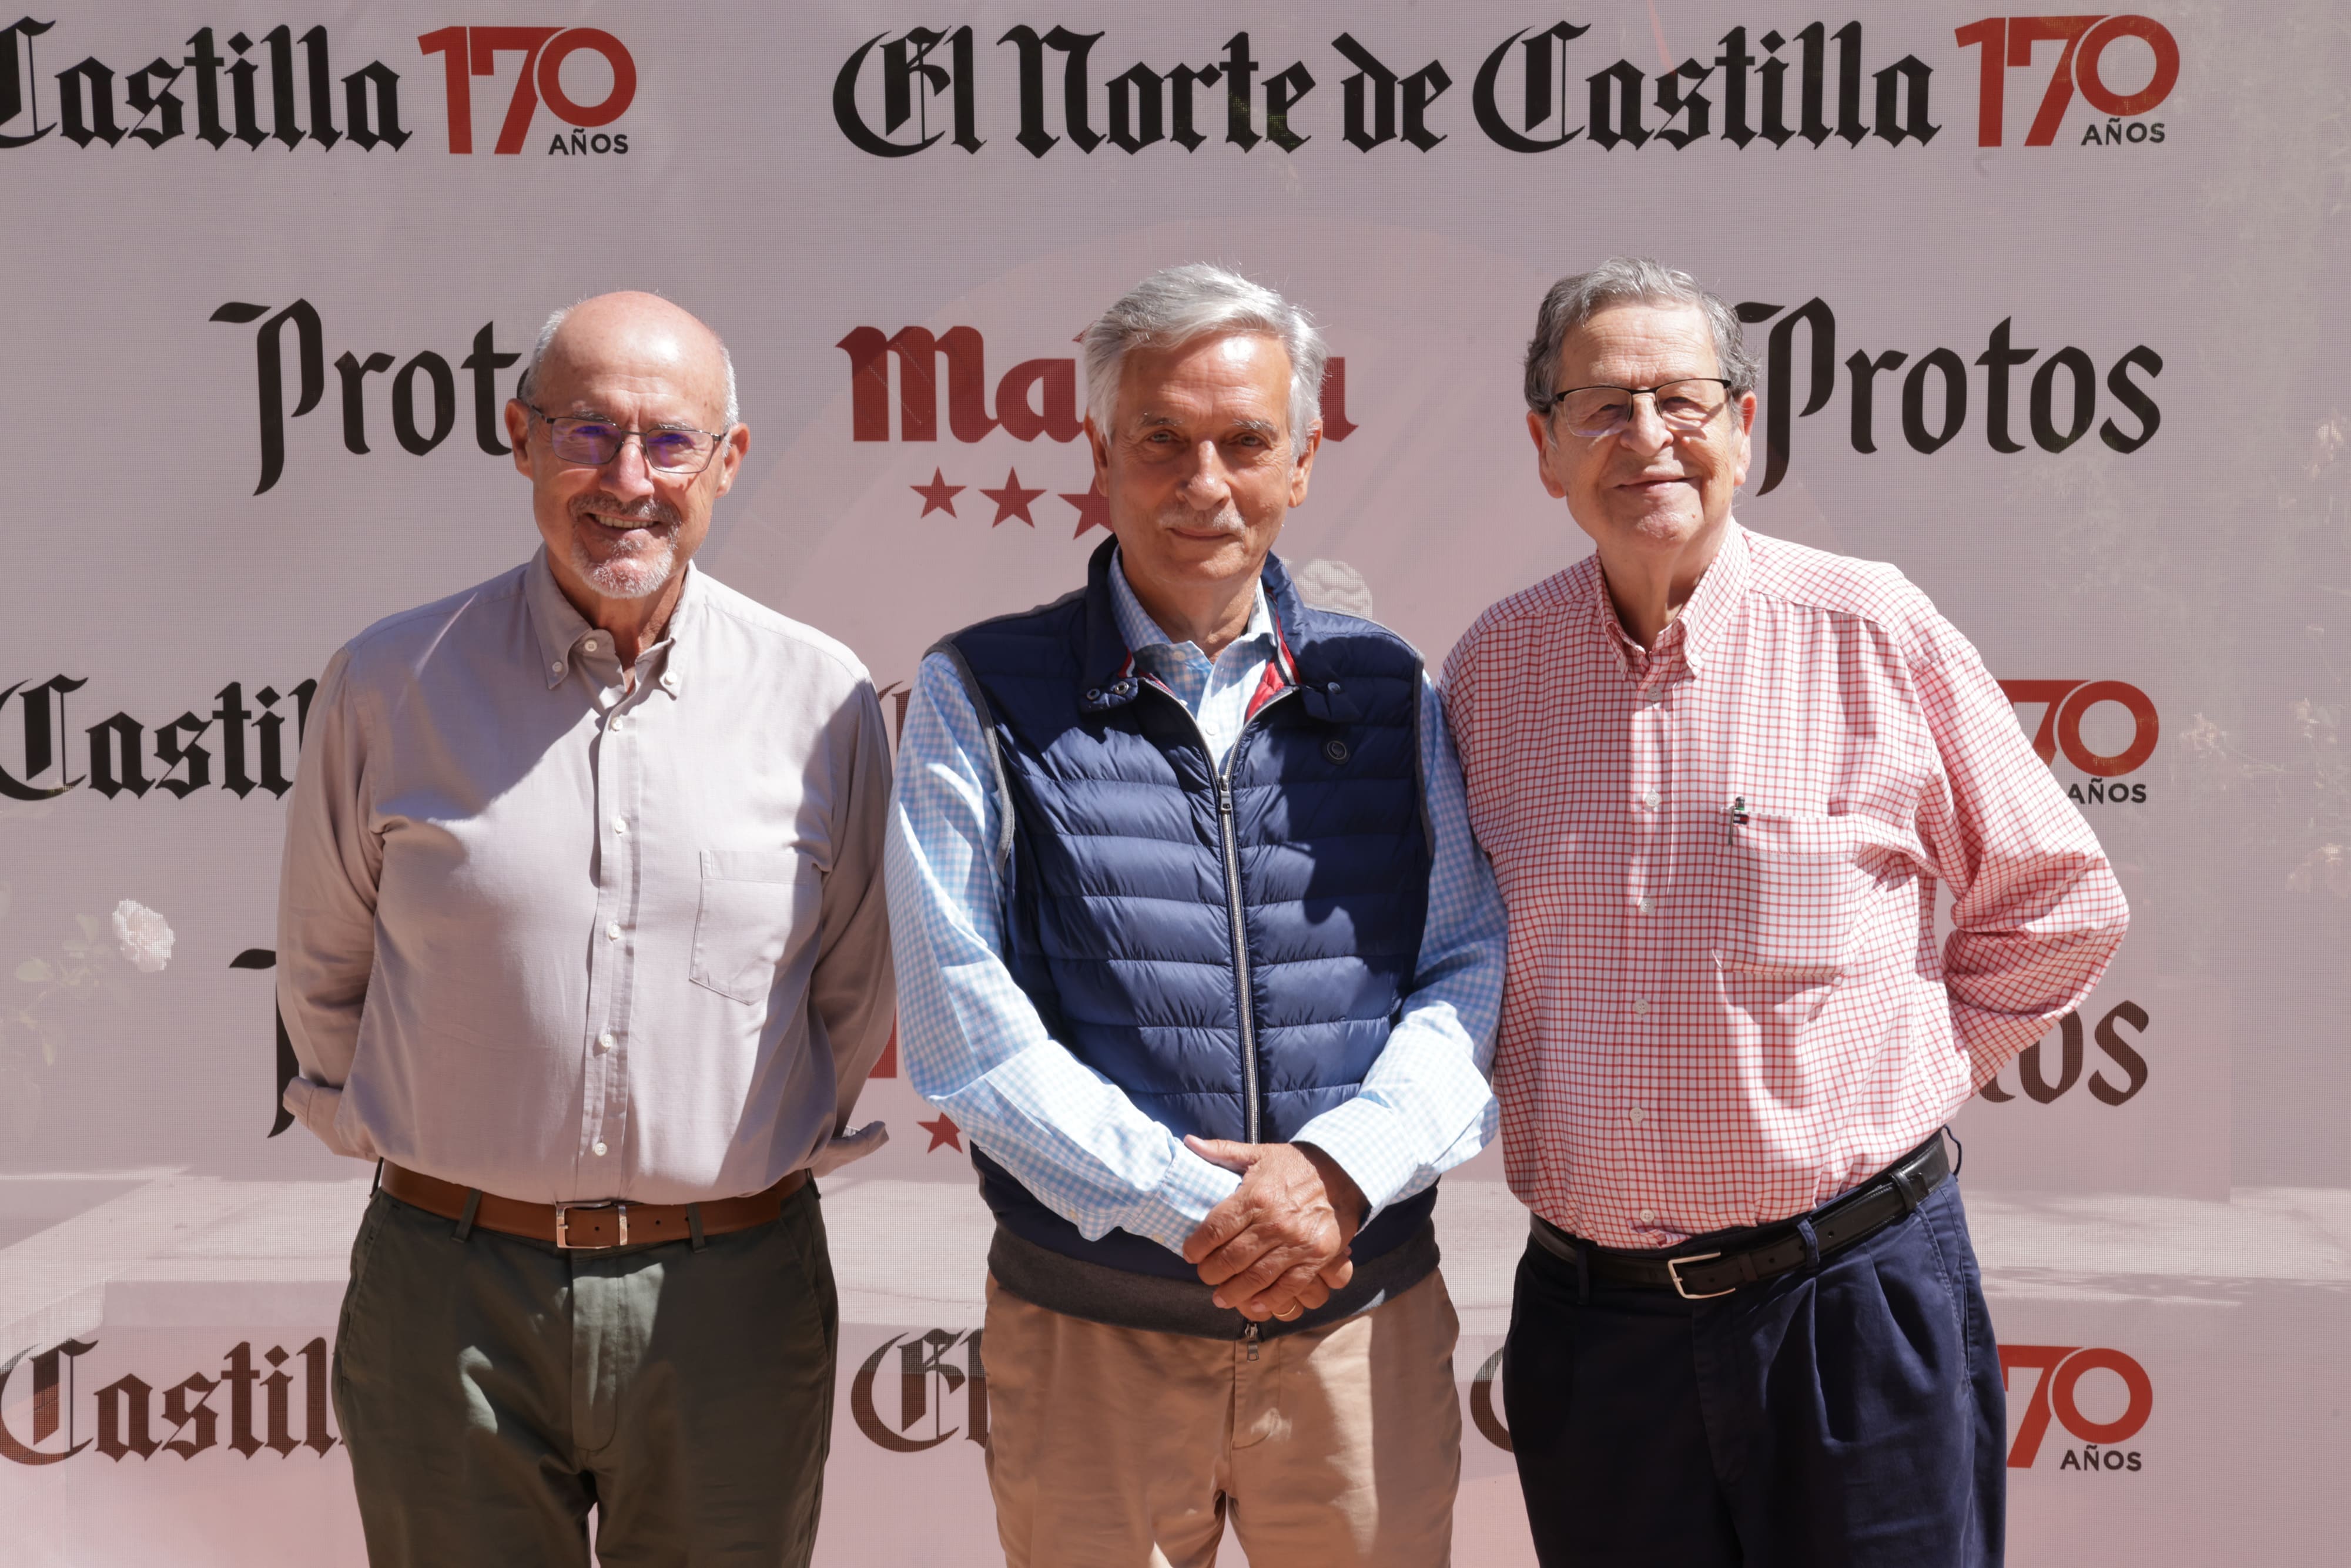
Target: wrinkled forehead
654, 366
1241, 376
1639, 345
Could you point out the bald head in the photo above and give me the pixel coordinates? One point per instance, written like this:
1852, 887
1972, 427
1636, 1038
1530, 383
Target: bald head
620, 518
640, 330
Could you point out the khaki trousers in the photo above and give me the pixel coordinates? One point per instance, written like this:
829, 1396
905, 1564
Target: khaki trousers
1113, 1448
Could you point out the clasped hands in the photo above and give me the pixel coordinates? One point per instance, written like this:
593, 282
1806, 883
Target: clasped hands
1278, 1244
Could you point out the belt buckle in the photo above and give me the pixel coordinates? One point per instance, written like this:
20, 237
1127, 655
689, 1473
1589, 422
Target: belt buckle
562, 1228
1674, 1273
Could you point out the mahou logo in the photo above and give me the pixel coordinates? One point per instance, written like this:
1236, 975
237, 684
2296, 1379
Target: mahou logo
2058, 1391
1035, 398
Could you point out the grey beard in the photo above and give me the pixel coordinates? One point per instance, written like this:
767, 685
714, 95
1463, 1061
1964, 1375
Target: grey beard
637, 575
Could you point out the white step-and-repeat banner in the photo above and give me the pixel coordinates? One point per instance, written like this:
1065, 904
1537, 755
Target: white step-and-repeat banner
2054, 311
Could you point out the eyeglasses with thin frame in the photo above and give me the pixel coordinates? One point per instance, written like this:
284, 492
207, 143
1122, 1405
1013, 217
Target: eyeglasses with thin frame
1685, 404
677, 451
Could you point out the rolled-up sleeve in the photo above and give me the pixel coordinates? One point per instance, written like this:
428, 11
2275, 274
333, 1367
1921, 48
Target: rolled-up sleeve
2037, 911
326, 909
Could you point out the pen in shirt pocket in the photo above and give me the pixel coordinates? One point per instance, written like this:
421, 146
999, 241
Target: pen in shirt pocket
1735, 818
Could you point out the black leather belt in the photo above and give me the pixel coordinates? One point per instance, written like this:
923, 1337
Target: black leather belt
1742, 1258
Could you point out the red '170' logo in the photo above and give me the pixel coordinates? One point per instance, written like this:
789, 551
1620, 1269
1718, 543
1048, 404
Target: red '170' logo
2065, 705
470, 52
2008, 41
2062, 1369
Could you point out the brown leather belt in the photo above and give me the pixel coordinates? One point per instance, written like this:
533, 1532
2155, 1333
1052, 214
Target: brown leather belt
587, 1227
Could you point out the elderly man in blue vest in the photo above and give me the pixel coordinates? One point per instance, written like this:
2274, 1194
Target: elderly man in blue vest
1194, 942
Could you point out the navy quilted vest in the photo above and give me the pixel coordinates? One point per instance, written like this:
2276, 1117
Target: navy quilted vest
1230, 949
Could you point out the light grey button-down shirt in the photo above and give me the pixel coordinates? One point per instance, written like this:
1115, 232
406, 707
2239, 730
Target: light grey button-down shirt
560, 940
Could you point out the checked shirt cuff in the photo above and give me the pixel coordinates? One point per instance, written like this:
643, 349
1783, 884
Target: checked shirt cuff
1182, 1199
1361, 1135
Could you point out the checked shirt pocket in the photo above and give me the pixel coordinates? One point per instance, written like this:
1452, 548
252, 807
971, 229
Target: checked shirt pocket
1787, 892
758, 911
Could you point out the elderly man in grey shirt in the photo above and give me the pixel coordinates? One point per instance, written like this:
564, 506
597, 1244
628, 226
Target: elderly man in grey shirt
581, 936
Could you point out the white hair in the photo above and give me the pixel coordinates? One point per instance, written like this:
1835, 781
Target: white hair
1180, 305
554, 324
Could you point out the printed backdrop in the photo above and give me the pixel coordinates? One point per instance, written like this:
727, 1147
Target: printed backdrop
2053, 316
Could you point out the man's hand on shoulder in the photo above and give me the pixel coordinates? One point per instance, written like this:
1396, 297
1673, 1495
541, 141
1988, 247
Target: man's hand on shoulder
1278, 1246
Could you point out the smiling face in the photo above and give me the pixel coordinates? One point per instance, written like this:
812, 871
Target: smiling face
1199, 466
1644, 487
625, 531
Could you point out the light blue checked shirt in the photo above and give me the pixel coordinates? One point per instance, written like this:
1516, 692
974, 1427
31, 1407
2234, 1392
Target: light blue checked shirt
975, 1046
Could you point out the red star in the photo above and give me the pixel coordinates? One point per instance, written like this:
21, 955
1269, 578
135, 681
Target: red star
938, 496
1093, 509
943, 1132
1012, 501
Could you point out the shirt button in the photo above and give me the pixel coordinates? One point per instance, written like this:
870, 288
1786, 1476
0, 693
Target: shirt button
604, 1043
1648, 1216
589, 646
617, 722
1651, 799
556, 668
1647, 903
620, 825
1639, 1115
1640, 1007
598, 1147
669, 682
613, 931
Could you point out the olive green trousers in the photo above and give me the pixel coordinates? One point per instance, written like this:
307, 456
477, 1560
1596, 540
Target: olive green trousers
493, 1390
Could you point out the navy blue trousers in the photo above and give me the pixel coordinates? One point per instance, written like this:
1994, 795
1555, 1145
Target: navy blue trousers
1848, 1415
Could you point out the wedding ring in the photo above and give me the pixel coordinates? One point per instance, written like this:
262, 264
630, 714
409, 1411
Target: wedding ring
1292, 1315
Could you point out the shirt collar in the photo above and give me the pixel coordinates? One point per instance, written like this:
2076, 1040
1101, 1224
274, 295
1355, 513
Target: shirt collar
1709, 613
1143, 633
1714, 605
558, 626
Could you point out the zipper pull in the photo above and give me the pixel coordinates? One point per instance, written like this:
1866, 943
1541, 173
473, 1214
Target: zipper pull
1249, 1337
1224, 795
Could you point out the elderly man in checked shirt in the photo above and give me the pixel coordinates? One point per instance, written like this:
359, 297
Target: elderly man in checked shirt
1720, 778
1194, 941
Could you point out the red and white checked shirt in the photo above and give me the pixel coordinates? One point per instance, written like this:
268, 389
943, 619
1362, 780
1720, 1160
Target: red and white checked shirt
1724, 1003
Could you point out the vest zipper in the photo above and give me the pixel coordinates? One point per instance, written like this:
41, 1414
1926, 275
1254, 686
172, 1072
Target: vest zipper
1249, 1335
1231, 843
1229, 833
1229, 830
1228, 837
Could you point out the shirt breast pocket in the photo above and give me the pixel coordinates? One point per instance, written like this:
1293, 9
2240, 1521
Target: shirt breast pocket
1788, 890
759, 913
